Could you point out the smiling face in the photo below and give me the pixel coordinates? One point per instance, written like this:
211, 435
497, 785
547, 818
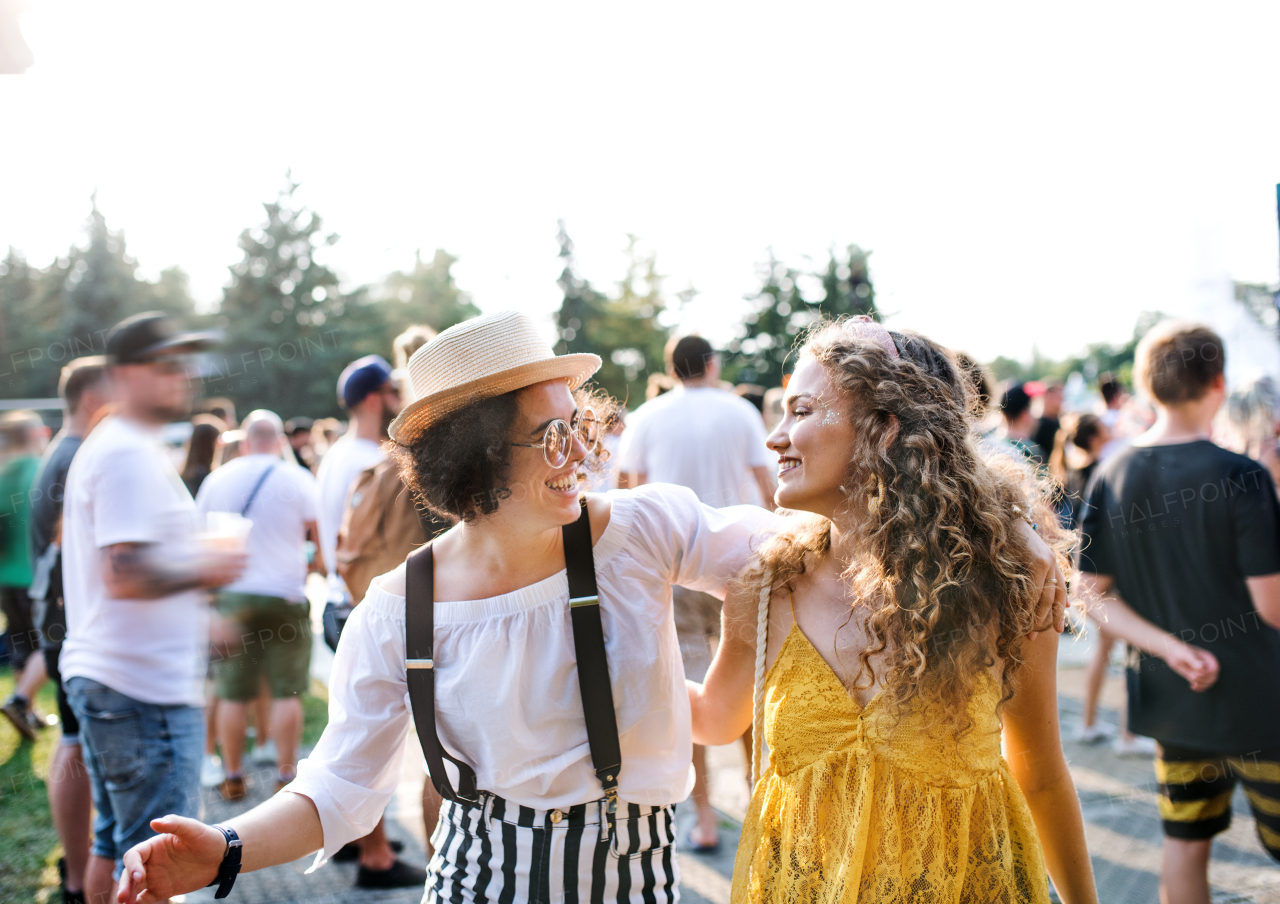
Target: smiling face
814, 442
539, 492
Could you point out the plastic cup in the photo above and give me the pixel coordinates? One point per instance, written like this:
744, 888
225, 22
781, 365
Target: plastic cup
226, 531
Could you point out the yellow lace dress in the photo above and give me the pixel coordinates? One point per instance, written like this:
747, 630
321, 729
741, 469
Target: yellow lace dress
855, 806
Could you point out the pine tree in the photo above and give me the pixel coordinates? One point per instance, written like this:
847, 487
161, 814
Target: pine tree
846, 285
49, 316
427, 294
779, 313
581, 306
630, 336
290, 330
97, 286
624, 330
24, 328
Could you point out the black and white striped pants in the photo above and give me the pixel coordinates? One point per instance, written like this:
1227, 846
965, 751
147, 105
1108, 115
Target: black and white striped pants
505, 853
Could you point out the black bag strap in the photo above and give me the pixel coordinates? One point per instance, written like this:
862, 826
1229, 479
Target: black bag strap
253, 494
593, 666
588, 641
419, 627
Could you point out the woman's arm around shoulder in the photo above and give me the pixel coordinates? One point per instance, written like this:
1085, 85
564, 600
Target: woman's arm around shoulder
691, 543
1034, 751
722, 705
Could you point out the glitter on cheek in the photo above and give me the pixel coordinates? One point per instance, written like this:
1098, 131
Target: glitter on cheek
830, 417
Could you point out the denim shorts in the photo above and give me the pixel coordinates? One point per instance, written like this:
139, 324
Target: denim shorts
143, 761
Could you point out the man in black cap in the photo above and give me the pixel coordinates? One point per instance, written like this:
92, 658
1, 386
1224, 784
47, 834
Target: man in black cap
135, 576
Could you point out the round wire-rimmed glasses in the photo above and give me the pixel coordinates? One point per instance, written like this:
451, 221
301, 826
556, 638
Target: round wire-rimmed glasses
557, 442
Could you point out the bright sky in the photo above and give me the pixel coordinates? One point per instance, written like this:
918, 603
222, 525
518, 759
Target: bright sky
1022, 173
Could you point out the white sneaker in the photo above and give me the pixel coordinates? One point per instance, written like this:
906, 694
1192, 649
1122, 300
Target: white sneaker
211, 771
1135, 746
1092, 734
266, 754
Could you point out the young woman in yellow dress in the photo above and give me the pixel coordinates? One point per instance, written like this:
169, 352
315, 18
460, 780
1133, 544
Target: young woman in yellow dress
889, 636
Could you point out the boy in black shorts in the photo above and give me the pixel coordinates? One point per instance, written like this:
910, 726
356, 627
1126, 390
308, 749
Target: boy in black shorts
1182, 546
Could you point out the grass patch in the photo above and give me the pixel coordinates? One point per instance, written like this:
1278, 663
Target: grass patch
315, 716
29, 847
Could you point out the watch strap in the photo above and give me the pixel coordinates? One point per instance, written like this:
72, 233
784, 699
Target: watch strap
230, 866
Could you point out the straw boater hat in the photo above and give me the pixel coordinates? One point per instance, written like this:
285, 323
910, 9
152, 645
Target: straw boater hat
478, 359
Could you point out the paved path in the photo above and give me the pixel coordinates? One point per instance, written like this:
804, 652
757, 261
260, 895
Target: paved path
1117, 796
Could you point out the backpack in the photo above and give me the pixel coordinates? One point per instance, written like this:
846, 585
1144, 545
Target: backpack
381, 525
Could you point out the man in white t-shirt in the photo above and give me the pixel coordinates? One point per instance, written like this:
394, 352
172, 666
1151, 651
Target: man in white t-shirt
700, 436
266, 609
713, 442
365, 389
134, 581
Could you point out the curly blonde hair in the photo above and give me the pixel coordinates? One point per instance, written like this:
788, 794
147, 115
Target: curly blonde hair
944, 577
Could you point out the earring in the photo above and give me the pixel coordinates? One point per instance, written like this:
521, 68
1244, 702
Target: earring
875, 495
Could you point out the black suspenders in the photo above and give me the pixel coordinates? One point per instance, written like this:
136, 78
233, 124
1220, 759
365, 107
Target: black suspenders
419, 626
588, 642
588, 645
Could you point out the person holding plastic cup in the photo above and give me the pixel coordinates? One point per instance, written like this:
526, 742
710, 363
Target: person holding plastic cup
134, 579
270, 501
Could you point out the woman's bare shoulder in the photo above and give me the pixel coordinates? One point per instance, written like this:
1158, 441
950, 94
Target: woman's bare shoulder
392, 582
599, 509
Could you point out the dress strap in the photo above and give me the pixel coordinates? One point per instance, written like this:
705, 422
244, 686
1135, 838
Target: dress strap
757, 708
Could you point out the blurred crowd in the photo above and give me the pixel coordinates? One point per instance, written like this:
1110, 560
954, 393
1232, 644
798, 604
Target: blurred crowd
118, 532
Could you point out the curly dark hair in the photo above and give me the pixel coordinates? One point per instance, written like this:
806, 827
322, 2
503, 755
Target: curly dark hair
459, 466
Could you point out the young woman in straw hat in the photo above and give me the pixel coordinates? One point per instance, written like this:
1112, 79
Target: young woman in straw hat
498, 439
889, 636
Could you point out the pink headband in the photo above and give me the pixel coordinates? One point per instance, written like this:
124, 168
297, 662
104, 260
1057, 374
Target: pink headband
864, 327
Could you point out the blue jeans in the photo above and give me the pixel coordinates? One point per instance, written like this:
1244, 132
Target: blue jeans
143, 761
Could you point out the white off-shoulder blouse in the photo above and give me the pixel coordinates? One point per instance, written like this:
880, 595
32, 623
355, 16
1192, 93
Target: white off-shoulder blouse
507, 698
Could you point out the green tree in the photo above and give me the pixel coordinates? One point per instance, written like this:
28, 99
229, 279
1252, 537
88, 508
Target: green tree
778, 312
623, 329
97, 286
1097, 358
22, 324
426, 294
289, 328
49, 316
581, 306
846, 285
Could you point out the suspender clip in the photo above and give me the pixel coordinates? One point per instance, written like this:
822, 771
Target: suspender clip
606, 819
486, 812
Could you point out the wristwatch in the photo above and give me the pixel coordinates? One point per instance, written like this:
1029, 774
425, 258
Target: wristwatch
230, 866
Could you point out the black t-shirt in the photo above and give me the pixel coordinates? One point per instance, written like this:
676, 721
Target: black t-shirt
1179, 528
46, 508
1046, 433
1072, 507
47, 492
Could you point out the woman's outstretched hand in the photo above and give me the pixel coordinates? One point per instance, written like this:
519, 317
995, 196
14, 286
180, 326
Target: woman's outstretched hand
185, 856
1052, 602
